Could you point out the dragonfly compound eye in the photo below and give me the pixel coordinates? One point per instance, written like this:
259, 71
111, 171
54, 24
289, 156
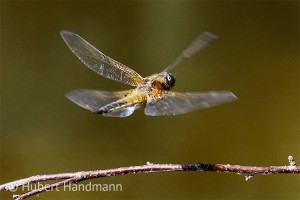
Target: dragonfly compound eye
169, 81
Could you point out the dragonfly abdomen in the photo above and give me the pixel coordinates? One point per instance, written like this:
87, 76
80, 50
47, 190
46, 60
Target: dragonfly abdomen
110, 107
131, 100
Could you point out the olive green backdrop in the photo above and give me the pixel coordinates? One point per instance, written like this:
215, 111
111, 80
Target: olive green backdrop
256, 57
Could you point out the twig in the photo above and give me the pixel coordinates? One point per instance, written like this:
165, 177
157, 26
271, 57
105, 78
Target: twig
76, 177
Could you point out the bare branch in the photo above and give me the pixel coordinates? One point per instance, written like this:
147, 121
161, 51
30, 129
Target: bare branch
76, 177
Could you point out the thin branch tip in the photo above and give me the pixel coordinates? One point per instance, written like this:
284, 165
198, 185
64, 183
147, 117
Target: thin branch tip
16, 197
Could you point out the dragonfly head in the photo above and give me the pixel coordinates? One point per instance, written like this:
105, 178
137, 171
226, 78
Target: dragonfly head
163, 81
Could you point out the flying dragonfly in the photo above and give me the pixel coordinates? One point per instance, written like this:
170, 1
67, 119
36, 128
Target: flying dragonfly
152, 92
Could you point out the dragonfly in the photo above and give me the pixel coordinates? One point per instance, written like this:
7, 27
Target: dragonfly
152, 92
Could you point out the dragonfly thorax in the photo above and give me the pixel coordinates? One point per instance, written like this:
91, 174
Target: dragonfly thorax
163, 81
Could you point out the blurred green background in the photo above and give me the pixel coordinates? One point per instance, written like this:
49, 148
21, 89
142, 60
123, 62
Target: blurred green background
256, 57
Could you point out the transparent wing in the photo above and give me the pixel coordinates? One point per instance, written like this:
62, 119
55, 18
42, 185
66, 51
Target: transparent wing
198, 44
98, 62
94, 99
174, 103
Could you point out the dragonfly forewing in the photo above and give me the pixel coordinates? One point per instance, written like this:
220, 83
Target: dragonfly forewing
99, 62
202, 41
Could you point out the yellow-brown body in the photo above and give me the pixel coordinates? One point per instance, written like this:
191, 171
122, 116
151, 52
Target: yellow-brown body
154, 85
